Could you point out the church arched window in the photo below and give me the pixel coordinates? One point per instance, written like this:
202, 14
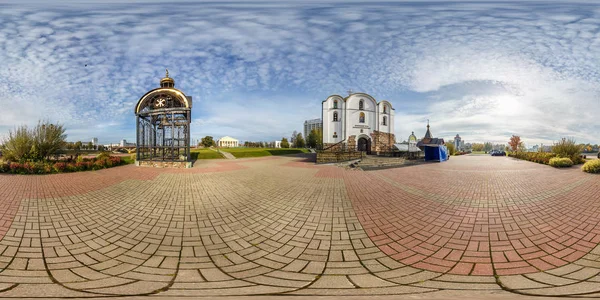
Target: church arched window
335, 116
361, 118
335, 103
384, 120
385, 109
361, 105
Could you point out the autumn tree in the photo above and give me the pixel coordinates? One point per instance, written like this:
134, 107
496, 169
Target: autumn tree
515, 143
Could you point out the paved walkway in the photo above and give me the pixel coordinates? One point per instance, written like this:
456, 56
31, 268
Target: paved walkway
280, 225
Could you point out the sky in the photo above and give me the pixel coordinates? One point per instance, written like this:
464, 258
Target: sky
257, 69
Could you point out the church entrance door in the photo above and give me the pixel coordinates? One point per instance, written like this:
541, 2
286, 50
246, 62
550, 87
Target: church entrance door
364, 144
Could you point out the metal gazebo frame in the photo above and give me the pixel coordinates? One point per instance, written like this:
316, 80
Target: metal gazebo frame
163, 118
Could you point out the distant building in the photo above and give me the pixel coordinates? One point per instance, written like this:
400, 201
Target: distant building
95, 142
309, 125
410, 146
457, 142
228, 142
277, 144
124, 143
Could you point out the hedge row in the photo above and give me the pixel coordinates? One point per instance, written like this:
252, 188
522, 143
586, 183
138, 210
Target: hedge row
546, 157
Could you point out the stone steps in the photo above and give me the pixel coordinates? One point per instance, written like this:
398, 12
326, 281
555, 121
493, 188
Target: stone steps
380, 162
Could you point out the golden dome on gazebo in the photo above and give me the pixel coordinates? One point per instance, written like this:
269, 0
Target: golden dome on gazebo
167, 81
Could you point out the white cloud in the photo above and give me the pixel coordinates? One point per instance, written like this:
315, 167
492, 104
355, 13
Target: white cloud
484, 70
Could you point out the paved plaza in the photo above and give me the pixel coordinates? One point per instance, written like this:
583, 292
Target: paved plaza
475, 225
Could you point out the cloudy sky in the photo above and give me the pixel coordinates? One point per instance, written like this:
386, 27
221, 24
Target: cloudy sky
257, 70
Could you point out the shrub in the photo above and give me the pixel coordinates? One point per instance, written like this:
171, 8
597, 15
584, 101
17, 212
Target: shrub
451, 149
59, 167
17, 146
560, 162
46, 167
36, 144
568, 148
47, 138
4, 167
103, 155
592, 166
538, 157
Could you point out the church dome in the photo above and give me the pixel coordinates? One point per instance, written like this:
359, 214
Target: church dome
412, 138
167, 82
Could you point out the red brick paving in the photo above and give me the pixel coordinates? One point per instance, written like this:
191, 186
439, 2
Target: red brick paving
496, 215
284, 225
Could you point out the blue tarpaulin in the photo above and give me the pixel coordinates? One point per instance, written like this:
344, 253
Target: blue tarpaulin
436, 153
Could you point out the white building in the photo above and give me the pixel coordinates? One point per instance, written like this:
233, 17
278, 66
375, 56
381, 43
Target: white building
228, 142
309, 125
358, 122
124, 143
277, 144
95, 142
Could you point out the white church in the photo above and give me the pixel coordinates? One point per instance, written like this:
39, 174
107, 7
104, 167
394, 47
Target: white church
358, 122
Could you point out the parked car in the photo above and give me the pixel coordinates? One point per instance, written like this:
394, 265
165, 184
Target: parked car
498, 153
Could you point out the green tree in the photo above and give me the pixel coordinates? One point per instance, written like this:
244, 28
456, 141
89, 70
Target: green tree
487, 147
78, 145
451, 149
319, 138
207, 141
299, 143
311, 139
285, 143
90, 145
17, 146
477, 147
293, 138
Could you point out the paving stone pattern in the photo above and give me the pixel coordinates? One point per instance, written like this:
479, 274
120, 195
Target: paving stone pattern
282, 225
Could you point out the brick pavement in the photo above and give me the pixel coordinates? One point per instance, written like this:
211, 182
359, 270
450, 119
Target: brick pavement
281, 225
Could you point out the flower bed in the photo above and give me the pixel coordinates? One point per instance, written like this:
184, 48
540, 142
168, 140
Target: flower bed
48, 167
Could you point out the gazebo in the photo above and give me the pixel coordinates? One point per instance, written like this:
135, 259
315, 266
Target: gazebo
163, 127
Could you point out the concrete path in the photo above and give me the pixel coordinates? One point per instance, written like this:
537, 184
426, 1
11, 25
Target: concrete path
283, 226
224, 154
227, 155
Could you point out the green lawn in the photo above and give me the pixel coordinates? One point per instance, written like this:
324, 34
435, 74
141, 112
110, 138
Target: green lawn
205, 154
258, 152
128, 159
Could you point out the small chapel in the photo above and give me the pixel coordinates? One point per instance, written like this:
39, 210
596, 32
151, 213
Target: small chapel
358, 122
